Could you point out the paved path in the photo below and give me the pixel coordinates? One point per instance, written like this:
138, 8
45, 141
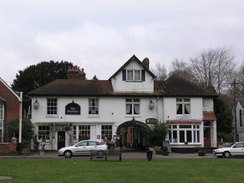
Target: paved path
125, 155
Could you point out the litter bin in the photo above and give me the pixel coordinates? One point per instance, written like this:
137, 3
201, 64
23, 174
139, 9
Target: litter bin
149, 154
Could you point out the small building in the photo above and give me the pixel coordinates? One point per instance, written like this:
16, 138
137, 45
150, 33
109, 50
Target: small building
9, 108
239, 112
65, 111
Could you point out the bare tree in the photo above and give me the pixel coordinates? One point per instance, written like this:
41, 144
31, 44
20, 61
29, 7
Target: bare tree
182, 69
160, 71
238, 81
214, 68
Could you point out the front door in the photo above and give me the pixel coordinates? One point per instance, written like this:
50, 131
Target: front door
207, 137
61, 139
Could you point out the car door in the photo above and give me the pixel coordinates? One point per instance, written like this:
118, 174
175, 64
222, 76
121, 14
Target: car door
81, 148
93, 145
238, 149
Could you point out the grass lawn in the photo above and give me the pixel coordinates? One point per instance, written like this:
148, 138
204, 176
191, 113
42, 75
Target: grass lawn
126, 171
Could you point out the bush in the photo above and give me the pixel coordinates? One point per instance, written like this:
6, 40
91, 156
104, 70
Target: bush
156, 135
27, 131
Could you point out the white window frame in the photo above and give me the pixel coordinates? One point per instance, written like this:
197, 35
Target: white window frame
93, 106
107, 131
131, 75
132, 106
1, 111
52, 106
193, 130
84, 132
184, 102
1, 120
43, 133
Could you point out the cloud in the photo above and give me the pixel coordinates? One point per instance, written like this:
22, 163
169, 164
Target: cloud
101, 35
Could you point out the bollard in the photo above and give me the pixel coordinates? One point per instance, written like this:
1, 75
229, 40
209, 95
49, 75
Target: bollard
149, 154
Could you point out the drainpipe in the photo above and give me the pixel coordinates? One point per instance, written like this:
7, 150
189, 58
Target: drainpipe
20, 117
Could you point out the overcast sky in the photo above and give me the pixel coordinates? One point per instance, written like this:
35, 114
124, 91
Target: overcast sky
101, 35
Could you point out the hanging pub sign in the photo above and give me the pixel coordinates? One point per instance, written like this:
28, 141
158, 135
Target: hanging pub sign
151, 121
72, 109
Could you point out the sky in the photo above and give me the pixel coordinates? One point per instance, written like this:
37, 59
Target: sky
101, 35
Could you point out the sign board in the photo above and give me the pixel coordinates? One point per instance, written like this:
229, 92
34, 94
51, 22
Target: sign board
151, 121
72, 109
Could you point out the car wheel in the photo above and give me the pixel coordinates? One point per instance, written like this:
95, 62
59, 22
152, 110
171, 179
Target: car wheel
67, 154
227, 154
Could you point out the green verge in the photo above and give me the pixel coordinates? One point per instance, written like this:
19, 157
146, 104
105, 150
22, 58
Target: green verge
126, 171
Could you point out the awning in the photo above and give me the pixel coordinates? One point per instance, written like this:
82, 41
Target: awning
209, 116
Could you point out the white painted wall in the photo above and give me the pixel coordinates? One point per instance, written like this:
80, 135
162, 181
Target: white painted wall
208, 104
169, 109
125, 86
111, 110
240, 130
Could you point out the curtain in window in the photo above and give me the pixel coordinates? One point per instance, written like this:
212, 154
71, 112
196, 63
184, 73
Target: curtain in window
179, 108
128, 108
187, 109
136, 108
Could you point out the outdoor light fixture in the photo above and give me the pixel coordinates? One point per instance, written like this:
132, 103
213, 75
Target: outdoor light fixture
151, 104
36, 104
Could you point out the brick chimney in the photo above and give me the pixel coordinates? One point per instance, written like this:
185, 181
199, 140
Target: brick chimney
76, 73
146, 62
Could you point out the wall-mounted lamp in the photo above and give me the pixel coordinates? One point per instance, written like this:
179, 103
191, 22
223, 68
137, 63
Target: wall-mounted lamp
36, 104
151, 104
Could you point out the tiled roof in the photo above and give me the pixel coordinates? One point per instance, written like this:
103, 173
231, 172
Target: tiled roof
177, 86
173, 86
75, 87
208, 116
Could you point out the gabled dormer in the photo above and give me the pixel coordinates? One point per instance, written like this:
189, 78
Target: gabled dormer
133, 76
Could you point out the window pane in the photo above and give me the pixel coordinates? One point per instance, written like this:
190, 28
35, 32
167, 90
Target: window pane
93, 106
175, 137
186, 100
179, 100
182, 136
188, 136
129, 75
137, 75
107, 131
187, 108
179, 109
136, 108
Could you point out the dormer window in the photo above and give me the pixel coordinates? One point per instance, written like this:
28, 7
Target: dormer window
133, 75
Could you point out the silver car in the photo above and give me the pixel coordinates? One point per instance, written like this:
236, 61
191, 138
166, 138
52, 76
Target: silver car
235, 150
83, 147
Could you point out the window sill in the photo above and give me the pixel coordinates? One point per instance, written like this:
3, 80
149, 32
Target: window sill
131, 116
51, 116
93, 116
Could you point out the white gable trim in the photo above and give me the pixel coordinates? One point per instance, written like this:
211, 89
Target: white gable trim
10, 89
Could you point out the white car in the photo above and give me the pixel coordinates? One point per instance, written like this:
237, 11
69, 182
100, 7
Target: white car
235, 150
83, 147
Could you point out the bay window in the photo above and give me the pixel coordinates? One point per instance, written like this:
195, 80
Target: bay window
181, 134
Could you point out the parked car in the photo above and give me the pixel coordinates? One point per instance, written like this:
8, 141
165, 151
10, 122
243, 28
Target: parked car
83, 147
234, 150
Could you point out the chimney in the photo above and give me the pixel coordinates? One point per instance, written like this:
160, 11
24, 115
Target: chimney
76, 73
145, 62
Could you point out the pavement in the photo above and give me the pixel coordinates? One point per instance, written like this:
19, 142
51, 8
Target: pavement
125, 156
